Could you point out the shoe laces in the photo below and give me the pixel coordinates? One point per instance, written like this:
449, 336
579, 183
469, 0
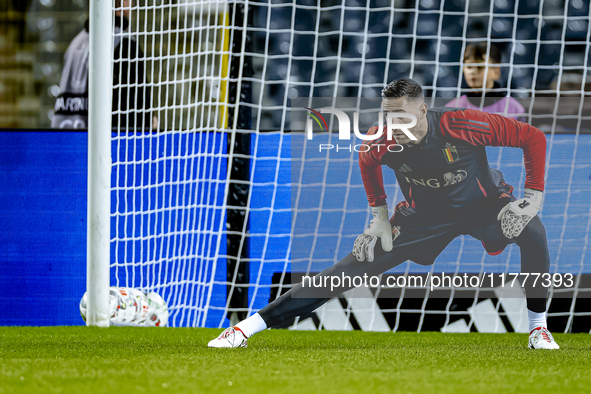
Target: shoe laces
232, 330
227, 333
546, 335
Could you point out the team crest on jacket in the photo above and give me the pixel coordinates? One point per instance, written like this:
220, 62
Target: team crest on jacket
451, 153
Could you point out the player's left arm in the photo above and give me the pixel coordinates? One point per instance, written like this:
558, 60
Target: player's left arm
480, 128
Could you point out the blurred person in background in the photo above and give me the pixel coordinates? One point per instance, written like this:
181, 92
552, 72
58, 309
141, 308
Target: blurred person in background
482, 72
131, 100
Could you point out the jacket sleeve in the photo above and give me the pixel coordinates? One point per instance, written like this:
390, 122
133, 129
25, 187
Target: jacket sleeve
481, 128
370, 158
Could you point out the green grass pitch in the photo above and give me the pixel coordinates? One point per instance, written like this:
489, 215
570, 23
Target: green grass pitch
176, 360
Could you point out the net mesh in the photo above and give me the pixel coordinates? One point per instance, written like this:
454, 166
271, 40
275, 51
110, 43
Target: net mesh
204, 65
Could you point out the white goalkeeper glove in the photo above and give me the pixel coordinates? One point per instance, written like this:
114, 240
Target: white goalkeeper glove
517, 214
363, 249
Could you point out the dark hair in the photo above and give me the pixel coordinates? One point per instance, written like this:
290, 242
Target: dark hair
403, 87
478, 52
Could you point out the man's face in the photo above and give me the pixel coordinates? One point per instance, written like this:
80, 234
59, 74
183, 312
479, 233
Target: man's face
476, 75
416, 107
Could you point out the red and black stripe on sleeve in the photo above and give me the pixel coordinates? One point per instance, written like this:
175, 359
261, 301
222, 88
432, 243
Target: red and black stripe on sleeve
481, 128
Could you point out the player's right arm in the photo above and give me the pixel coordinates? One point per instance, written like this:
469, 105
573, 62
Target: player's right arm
370, 164
371, 174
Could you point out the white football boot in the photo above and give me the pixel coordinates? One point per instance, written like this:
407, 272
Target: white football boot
540, 338
231, 337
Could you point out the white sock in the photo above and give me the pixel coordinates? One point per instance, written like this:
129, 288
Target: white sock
536, 320
252, 325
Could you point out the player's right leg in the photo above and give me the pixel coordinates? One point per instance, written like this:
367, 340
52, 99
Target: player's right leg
302, 300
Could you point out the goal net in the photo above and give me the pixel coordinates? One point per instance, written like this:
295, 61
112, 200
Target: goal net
225, 200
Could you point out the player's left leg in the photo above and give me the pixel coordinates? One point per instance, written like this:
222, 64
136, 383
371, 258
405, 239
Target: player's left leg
535, 259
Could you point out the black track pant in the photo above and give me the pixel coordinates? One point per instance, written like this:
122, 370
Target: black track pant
534, 259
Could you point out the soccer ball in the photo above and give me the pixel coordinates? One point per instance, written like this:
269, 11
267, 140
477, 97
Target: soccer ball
132, 307
113, 302
126, 306
84, 306
142, 307
158, 311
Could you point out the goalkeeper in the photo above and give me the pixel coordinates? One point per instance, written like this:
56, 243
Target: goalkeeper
449, 190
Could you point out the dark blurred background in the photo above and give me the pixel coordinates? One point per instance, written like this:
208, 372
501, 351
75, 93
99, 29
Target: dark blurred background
347, 48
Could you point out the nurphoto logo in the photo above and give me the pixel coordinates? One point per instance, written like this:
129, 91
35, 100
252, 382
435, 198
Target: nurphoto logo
393, 122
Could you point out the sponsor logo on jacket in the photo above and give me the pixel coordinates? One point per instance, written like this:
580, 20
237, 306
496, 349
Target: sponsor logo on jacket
435, 183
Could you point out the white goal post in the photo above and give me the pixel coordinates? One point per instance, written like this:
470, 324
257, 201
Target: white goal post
99, 163
205, 209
